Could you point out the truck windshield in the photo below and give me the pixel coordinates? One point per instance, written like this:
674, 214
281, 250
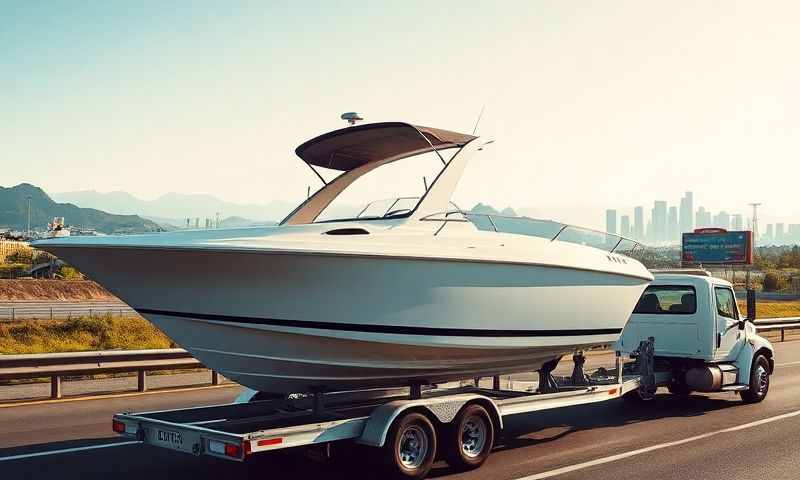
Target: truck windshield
668, 299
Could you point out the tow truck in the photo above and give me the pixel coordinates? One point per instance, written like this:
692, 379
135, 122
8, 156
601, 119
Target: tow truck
686, 334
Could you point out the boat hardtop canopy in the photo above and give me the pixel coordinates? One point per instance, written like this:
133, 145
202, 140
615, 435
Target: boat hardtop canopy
352, 147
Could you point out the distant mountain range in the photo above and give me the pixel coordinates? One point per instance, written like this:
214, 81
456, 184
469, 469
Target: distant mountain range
175, 208
14, 213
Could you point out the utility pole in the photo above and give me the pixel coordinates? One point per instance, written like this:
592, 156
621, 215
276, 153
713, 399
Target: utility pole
755, 221
29, 217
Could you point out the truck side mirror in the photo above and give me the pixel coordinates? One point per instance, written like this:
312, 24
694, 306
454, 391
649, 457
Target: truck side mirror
741, 324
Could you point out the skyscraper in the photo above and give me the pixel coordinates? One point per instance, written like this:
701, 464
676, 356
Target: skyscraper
703, 218
638, 223
625, 226
722, 220
687, 212
659, 220
737, 222
611, 221
793, 235
779, 238
769, 237
673, 228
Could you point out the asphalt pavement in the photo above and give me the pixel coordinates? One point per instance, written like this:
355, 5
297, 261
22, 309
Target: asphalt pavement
703, 437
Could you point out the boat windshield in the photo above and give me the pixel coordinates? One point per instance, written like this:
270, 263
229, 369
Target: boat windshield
399, 186
549, 229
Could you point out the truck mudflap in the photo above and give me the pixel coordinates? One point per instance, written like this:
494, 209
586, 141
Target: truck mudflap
644, 367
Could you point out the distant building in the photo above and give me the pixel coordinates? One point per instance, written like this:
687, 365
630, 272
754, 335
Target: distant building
625, 226
722, 220
769, 237
673, 228
611, 221
793, 236
737, 222
659, 220
638, 223
779, 239
687, 212
703, 218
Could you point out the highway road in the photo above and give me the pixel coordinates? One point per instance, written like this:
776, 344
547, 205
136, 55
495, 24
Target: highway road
708, 437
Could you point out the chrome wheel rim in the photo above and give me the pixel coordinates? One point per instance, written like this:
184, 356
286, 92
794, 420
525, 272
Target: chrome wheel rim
473, 436
413, 447
762, 379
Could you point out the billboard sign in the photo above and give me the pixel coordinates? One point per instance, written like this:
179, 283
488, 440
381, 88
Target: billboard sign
716, 246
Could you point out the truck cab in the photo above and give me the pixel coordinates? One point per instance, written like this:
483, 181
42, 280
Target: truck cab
700, 335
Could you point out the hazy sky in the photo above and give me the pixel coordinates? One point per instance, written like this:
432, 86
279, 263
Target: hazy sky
592, 104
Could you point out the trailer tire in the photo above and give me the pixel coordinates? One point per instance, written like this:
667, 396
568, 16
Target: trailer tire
469, 438
410, 447
759, 381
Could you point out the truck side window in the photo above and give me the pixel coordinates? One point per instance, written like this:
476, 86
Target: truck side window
668, 299
726, 302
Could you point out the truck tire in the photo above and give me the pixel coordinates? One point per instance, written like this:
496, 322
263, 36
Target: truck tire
679, 388
469, 438
759, 381
410, 447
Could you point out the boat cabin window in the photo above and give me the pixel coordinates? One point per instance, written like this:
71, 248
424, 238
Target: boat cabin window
668, 299
726, 302
390, 191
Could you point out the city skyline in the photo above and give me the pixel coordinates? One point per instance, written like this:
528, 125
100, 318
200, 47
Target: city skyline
667, 222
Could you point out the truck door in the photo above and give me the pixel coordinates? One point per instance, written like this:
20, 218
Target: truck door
728, 333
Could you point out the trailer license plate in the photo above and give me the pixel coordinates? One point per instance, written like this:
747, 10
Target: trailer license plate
169, 438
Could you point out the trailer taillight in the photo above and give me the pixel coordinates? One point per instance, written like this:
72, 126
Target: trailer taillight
118, 426
232, 450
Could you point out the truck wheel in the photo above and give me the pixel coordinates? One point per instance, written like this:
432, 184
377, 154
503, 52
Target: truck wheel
470, 438
759, 381
677, 387
410, 447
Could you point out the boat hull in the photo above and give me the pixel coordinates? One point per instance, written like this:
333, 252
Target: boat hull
289, 322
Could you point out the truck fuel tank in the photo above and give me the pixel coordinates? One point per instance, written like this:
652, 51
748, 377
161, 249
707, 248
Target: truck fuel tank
711, 378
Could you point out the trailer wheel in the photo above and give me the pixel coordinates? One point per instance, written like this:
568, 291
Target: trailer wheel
759, 381
410, 447
470, 438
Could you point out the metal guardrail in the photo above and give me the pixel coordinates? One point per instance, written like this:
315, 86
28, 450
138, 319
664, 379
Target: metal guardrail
58, 365
778, 324
21, 311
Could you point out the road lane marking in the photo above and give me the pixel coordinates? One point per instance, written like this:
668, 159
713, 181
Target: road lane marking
66, 450
620, 456
117, 395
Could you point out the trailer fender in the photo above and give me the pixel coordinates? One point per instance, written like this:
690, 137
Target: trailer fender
754, 346
442, 409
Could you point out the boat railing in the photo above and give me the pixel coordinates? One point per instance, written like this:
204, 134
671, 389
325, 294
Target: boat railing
548, 229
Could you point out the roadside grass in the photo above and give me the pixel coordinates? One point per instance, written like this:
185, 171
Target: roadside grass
102, 332
773, 308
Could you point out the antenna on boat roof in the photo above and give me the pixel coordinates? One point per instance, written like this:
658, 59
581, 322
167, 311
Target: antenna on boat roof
351, 117
480, 115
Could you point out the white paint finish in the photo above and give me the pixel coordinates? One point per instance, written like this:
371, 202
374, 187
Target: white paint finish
640, 451
66, 450
406, 273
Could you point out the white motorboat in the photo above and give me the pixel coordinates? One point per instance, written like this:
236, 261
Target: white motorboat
419, 292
